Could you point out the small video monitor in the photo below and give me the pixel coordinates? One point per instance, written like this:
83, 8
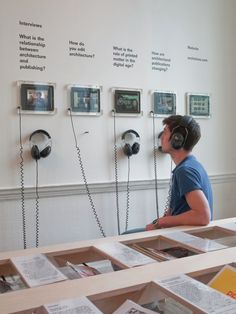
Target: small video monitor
37, 98
85, 100
127, 101
198, 105
164, 103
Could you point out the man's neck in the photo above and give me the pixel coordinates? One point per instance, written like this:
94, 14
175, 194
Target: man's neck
179, 155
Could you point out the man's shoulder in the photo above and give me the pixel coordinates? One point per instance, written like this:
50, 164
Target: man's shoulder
190, 166
188, 163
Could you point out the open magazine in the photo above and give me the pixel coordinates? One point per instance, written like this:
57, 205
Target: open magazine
164, 254
75, 271
130, 307
225, 281
11, 283
83, 270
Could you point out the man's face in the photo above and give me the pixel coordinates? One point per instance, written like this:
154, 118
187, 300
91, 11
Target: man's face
165, 140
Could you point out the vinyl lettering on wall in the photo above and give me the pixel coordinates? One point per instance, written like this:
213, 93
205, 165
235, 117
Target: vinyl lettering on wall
78, 49
124, 57
195, 50
31, 47
160, 62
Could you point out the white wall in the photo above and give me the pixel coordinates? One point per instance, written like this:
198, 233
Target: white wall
167, 27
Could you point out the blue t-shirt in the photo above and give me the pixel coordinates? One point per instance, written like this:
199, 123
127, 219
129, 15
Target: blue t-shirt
188, 176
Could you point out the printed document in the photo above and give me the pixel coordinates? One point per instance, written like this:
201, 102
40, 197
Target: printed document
204, 245
80, 305
37, 270
196, 293
124, 254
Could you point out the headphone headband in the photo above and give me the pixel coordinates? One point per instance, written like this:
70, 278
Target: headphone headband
38, 132
129, 149
185, 121
37, 153
130, 131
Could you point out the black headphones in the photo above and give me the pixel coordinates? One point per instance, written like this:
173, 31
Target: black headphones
159, 147
177, 139
127, 148
35, 152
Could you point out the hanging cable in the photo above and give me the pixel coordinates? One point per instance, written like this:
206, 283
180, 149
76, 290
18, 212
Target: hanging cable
155, 162
22, 184
116, 176
168, 199
127, 204
84, 178
36, 208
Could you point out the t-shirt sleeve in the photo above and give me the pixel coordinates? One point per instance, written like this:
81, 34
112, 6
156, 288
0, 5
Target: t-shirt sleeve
188, 180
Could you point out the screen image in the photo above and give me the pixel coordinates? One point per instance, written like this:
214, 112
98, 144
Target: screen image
127, 101
199, 105
85, 99
35, 97
164, 103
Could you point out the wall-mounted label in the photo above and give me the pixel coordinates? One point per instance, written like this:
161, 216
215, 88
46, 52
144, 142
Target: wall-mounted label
124, 57
31, 47
195, 56
78, 49
160, 62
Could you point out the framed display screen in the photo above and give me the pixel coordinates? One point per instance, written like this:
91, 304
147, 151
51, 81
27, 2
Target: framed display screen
164, 103
85, 100
37, 98
198, 105
127, 101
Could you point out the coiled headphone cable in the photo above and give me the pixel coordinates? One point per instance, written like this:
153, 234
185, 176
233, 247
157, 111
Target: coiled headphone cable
127, 203
168, 199
155, 163
85, 180
116, 176
22, 184
37, 208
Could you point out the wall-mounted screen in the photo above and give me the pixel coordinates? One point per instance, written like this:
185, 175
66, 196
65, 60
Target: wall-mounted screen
198, 105
164, 103
37, 98
85, 100
127, 101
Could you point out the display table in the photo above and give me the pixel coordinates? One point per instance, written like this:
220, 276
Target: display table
209, 248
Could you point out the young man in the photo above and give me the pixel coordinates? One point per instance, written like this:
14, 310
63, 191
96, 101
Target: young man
191, 201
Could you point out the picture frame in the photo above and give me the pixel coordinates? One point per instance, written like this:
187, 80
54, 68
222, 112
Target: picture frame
85, 100
198, 105
127, 102
164, 103
37, 98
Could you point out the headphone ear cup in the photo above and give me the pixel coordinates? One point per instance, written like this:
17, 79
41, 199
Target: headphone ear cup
177, 140
45, 152
127, 149
35, 152
135, 148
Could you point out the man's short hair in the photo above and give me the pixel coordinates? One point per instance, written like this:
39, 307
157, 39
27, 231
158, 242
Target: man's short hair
193, 133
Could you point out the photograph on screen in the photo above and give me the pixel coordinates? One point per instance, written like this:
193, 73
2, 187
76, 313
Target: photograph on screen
164, 103
127, 101
85, 99
37, 98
